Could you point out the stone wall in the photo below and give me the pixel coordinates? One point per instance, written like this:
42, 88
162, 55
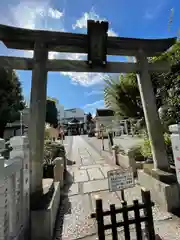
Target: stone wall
14, 190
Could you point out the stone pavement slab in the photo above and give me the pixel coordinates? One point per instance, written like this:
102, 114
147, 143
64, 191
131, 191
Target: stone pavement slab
86, 161
101, 161
80, 176
74, 189
95, 173
94, 186
90, 166
106, 168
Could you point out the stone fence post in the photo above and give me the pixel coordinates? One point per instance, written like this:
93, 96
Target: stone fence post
4, 204
2, 144
20, 149
115, 149
59, 170
175, 141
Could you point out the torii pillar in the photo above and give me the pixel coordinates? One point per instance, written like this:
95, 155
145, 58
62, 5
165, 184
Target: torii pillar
153, 123
37, 119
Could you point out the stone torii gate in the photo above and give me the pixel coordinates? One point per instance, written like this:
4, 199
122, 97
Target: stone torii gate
97, 45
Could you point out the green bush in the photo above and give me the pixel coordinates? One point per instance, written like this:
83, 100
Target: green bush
136, 151
46, 134
52, 150
146, 148
167, 140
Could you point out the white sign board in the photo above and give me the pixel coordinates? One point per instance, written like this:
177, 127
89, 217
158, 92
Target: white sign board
120, 179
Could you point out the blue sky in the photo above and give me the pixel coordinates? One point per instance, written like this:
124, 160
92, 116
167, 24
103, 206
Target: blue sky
130, 18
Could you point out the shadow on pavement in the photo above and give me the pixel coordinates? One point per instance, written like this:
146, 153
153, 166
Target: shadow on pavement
69, 162
65, 206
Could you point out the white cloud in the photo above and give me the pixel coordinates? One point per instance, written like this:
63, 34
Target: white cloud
88, 79
94, 92
40, 15
91, 107
33, 14
85, 79
92, 15
111, 33
54, 13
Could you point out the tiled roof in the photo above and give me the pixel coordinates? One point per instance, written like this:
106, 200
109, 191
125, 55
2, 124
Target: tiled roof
104, 113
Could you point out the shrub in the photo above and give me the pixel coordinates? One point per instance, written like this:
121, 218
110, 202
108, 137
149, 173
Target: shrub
46, 134
146, 148
52, 150
136, 151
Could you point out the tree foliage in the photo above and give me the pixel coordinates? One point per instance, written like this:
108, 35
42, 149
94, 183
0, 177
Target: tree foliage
122, 96
89, 117
88, 120
11, 99
168, 86
51, 113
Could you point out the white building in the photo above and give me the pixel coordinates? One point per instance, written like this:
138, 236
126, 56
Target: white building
60, 110
77, 113
104, 117
19, 127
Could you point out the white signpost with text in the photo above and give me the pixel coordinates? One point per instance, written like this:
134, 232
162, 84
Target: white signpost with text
175, 140
119, 180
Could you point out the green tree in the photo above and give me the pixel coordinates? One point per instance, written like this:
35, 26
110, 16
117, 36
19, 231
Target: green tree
168, 86
88, 119
122, 95
11, 99
51, 112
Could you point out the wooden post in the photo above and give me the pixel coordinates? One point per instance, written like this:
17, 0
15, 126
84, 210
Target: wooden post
137, 219
126, 220
113, 221
37, 119
151, 114
126, 127
149, 224
122, 195
100, 219
110, 135
102, 138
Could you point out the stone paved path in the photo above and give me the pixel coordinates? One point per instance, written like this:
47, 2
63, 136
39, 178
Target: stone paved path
87, 179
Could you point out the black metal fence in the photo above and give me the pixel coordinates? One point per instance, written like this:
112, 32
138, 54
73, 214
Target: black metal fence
147, 218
